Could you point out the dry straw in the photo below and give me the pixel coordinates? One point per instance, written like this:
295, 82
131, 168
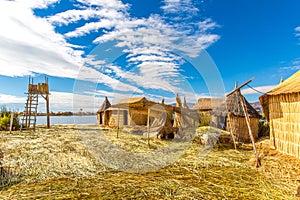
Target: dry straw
56, 165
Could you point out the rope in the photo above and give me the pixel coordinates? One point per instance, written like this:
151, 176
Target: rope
255, 89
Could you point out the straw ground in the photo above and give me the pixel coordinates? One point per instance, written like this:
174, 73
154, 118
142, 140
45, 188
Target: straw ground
55, 164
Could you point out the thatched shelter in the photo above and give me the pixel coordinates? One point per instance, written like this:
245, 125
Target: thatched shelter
142, 112
130, 111
212, 111
102, 117
236, 122
281, 107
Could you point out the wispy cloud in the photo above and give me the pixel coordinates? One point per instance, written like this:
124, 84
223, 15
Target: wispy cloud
291, 66
297, 31
29, 44
258, 89
10, 99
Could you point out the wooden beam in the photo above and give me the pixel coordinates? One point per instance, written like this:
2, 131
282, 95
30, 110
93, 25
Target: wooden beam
258, 164
48, 111
118, 123
11, 121
148, 127
230, 93
230, 129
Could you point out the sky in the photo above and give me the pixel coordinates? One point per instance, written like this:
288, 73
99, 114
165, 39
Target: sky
90, 49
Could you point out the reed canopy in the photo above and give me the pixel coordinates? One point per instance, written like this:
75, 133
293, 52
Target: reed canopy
281, 107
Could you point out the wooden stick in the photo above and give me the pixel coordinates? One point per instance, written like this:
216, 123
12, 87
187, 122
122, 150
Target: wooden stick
258, 164
11, 121
48, 111
118, 123
238, 88
230, 130
148, 127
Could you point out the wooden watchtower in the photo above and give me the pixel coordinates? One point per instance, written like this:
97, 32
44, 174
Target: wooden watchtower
31, 105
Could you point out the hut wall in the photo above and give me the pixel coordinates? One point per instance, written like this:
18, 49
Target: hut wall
99, 118
239, 128
105, 117
124, 118
284, 117
137, 118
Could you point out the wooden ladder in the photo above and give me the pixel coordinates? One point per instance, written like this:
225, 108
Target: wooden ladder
30, 112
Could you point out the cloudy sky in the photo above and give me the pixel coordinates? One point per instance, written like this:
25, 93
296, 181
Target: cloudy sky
90, 49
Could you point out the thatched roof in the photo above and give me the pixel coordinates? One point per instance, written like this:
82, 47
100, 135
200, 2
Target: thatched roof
205, 104
105, 105
291, 85
132, 100
234, 106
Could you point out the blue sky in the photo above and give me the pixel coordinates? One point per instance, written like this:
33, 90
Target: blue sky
154, 48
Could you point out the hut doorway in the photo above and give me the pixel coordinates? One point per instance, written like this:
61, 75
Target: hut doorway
125, 117
101, 120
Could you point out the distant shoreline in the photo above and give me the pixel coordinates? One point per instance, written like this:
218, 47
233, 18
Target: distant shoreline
63, 114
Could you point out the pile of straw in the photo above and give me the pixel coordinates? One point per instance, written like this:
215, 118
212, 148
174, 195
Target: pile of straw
56, 164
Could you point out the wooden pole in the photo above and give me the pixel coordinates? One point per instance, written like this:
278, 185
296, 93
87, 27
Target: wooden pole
148, 127
11, 121
29, 111
118, 123
238, 88
47, 110
258, 164
230, 130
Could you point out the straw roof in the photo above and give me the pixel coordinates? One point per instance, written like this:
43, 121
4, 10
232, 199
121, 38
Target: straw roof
105, 105
132, 100
234, 106
208, 103
291, 85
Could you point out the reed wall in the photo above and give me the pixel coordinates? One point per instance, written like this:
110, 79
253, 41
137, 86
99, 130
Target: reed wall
284, 117
238, 127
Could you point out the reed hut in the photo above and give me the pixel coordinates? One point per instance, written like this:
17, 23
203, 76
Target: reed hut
281, 107
236, 122
102, 116
212, 112
142, 112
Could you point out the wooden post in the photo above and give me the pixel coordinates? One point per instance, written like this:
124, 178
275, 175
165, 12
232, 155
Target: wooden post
29, 111
47, 110
11, 121
258, 164
148, 127
118, 123
230, 130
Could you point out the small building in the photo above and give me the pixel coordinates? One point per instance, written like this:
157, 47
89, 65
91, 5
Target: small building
102, 116
130, 111
236, 122
281, 107
212, 112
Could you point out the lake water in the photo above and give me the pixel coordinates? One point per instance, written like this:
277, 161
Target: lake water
85, 119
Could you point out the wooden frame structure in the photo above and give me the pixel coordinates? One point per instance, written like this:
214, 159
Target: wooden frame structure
31, 105
247, 118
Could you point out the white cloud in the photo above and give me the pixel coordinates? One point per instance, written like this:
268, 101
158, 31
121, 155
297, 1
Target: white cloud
291, 66
29, 44
65, 101
179, 6
297, 31
262, 89
11, 99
